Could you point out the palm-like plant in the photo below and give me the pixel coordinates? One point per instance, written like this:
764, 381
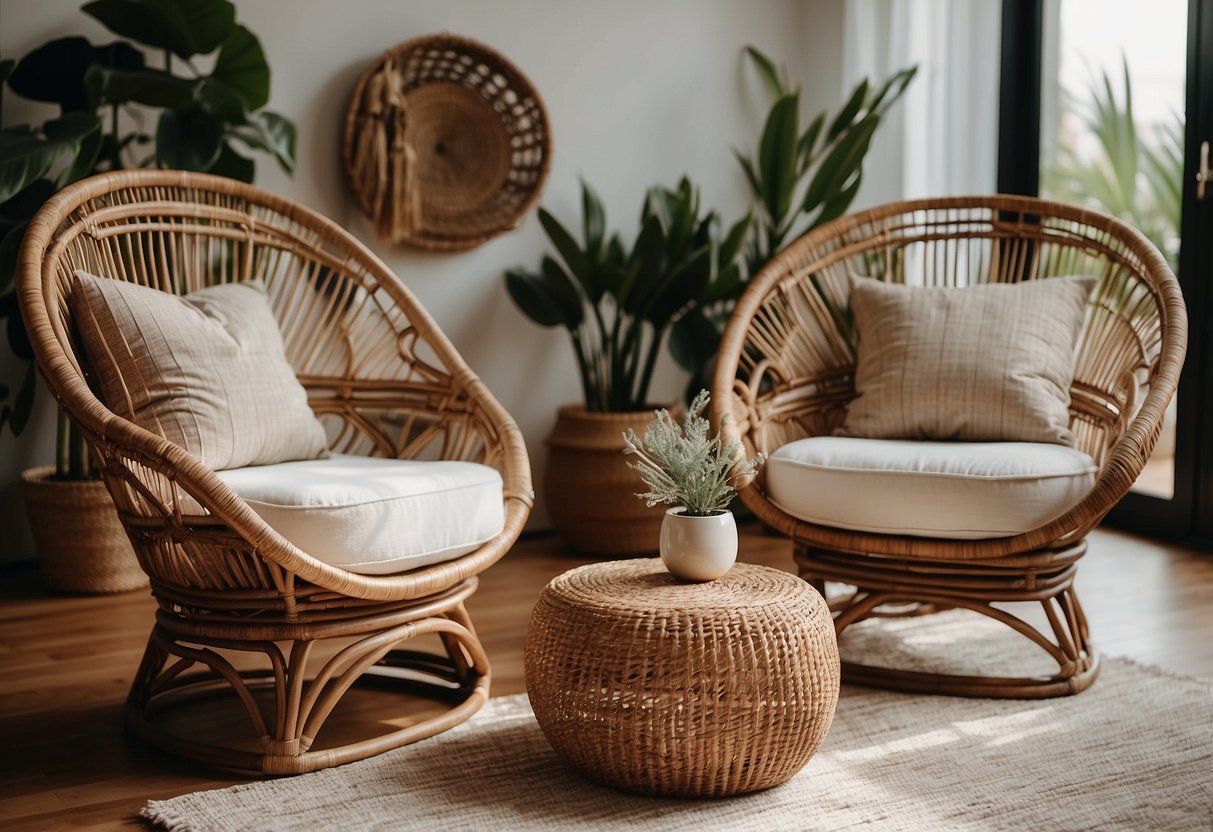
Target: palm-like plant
618, 305
1134, 176
799, 179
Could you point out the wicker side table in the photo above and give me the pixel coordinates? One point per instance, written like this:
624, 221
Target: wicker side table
656, 686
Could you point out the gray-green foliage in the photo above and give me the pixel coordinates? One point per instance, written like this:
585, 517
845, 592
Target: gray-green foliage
1134, 176
618, 305
682, 465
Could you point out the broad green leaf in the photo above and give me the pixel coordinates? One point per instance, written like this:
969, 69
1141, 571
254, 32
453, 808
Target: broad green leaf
683, 208
734, 241
9, 246
153, 87
615, 254
727, 285
242, 66
55, 71
644, 266
571, 253
215, 96
183, 27
188, 139
564, 292
533, 297
233, 165
751, 175
23, 403
776, 85
272, 133
843, 160
808, 143
85, 162
777, 157
25, 204
694, 341
891, 90
838, 204
18, 341
846, 116
680, 288
25, 157
593, 222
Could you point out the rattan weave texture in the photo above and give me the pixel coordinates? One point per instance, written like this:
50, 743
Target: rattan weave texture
384, 381
786, 370
657, 686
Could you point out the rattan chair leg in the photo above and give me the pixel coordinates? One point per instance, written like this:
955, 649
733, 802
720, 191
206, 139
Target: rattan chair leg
180, 667
892, 587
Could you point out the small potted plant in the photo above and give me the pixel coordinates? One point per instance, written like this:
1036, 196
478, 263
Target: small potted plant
685, 467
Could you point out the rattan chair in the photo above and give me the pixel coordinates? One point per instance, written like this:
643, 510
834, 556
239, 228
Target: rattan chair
786, 371
382, 379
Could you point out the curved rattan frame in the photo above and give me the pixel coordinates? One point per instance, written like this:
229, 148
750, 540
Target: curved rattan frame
379, 373
785, 371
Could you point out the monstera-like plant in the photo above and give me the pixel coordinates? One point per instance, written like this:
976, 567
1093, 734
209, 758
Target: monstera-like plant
128, 103
140, 102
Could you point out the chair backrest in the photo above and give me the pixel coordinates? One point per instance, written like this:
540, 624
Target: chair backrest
786, 364
380, 375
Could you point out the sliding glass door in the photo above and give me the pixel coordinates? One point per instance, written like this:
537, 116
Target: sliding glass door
1107, 103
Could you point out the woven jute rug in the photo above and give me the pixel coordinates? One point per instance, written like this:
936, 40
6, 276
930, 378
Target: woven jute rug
1135, 751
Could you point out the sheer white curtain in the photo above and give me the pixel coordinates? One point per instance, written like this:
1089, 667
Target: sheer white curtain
942, 138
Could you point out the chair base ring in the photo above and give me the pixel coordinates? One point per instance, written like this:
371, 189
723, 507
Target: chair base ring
304, 693
901, 587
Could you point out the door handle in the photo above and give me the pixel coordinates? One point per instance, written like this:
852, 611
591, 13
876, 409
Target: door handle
1204, 174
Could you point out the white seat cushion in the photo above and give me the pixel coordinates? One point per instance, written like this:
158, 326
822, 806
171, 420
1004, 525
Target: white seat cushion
962, 490
376, 516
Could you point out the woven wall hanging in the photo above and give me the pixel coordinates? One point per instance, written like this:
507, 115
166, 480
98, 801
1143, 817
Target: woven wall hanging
446, 144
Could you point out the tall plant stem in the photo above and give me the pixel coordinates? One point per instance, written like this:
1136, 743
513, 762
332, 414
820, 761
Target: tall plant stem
63, 461
80, 467
116, 149
575, 337
642, 391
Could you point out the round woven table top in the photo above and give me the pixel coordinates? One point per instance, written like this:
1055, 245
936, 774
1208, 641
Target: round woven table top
644, 586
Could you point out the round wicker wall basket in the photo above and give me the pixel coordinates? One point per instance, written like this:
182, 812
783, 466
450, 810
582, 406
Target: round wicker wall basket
82, 546
446, 144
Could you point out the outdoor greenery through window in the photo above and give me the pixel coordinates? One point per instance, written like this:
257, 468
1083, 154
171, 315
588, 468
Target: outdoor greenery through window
1112, 131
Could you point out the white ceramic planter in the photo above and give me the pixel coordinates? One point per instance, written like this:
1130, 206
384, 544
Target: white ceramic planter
698, 548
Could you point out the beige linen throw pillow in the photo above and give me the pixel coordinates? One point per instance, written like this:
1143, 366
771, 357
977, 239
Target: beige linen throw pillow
991, 362
206, 370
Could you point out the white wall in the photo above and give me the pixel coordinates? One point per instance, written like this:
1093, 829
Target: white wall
638, 92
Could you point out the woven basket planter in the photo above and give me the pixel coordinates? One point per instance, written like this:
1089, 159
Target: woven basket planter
446, 144
590, 490
82, 546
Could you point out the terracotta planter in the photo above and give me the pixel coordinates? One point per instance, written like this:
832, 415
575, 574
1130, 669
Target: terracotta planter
590, 490
82, 546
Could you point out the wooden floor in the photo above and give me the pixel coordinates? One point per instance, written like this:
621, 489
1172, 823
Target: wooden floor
66, 663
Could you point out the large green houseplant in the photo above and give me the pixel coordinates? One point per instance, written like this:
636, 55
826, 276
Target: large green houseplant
618, 304
128, 103
800, 176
